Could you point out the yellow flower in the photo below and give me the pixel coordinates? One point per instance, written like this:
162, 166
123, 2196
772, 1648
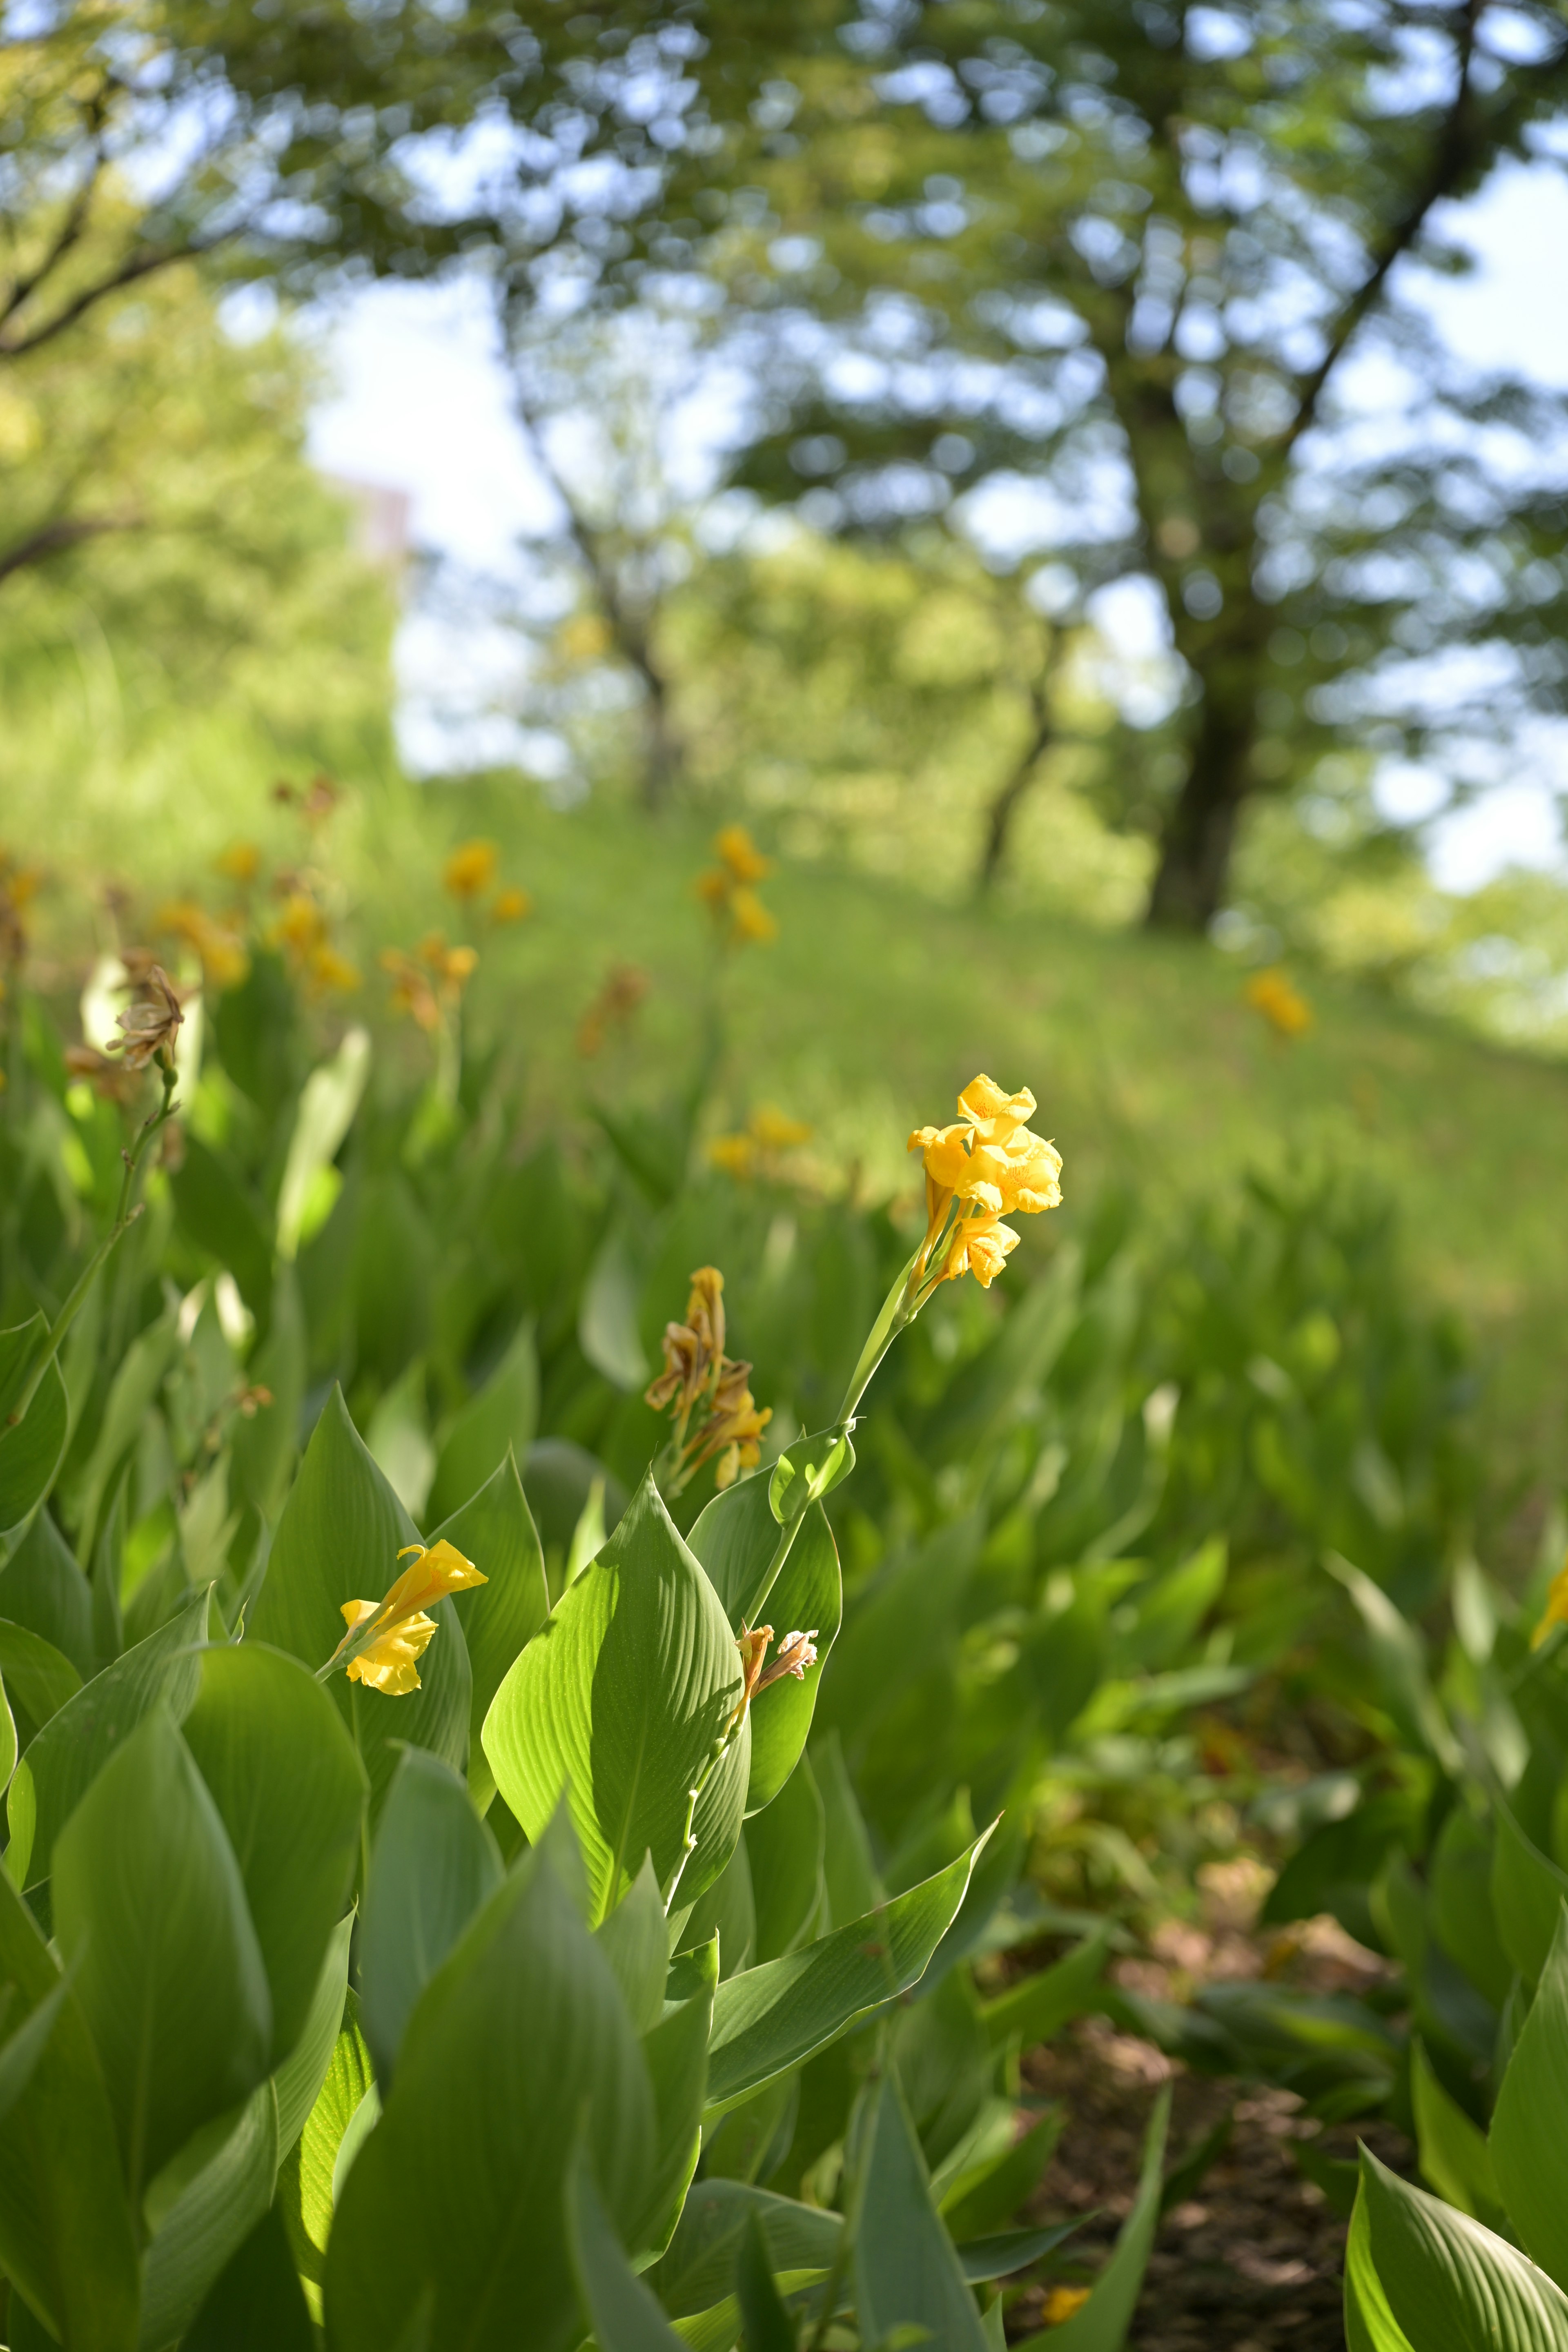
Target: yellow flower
1556, 1609
298, 924
1284, 1008
739, 854
713, 889
511, 906
222, 951
1062, 2302
241, 861
989, 1163
400, 1629
470, 869
980, 1245
694, 1350
328, 969
750, 919
735, 1154
774, 1131
411, 989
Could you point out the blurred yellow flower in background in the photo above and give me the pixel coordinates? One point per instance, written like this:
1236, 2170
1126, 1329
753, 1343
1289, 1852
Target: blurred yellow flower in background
1556, 1609
1282, 1005
511, 906
224, 957
241, 861
328, 971
750, 919
1062, 2303
740, 856
726, 889
470, 869
768, 1133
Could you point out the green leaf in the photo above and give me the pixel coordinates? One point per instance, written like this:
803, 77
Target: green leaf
726, 1909
849, 1876
1037, 2007
204, 2218
217, 1211
42, 1678
984, 2196
734, 1540
495, 1529
1527, 1890
635, 1939
807, 1470
907, 2273
773, 2017
79, 1740
500, 1419
784, 1846
676, 2055
432, 1865
337, 1540
290, 1791
136, 1382
328, 1101
1399, 1661
257, 2305
1526, 2152
1370, 2324
607, 1329
297, 2082
1461, 1904
619, 2309
8, 1748
519, 2045
44, 1590
982, 2259
305, 2182
1455, 2158
766, 2326
150, 1905
66, 2236
620, 1704
1449, 2282
699, 2268
1102, 2323
32, 1449
262, 1448
943, 2064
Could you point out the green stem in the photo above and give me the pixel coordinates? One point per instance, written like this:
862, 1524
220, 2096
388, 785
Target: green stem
126, 1216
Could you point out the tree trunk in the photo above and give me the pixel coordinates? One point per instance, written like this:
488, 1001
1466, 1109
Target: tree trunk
1042, 732
1200, 833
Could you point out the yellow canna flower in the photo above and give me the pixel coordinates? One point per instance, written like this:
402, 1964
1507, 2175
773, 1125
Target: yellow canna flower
327, 969
399, 1631
470, 869
1556, 1609
713, 889
989, 1163
981, 1247
222, 951
298, 924
1284, 1008
750, 919
739, 855
774, 1131
1062, 2303
511, 906
241, 861
736, 1155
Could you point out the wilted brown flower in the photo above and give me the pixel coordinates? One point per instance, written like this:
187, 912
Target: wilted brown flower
699, 1377
625, 986
152, 1024
106, 1077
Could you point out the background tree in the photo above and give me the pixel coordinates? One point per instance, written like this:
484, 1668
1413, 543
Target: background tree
1149, 245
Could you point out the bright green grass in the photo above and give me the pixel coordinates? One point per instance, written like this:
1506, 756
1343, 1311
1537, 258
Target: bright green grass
873, 1006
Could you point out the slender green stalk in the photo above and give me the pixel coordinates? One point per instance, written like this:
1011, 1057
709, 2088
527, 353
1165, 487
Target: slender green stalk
125, 1216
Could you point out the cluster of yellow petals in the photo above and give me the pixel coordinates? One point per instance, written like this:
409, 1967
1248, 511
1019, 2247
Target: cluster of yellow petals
403, 1632
728, 889
699, 1379
755, 1149
470, 874
241, 861
1062, 2303
431, 980
1281, 1003
299, 929
989, 1164
1556, 1609
222, 951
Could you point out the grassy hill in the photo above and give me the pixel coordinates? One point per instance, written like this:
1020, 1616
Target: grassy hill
873, 1006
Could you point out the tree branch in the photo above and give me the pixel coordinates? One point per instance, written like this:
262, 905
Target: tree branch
55, 538
139, 265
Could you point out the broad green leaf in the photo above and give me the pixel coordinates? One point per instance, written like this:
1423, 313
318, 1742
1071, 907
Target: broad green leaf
1398, 1657
1527, 1890
495, 1529
849, 1875
987, 2194
726, 1910
635, 1939
621, 1704
767, 2325
257, 2305
78, 1741
66, 2236
618, 2307
328, 1101
943, 2064
676, 2054
607, 1329
500, 1419
7, 1737
982, 2259
1528, 2155
1449, 2282
150, 1906
734, 1540
31, 1449
1461, 1904
337, 1540
1370, 2324
1455, 2158
699, 2268
137, 1379
519, 2046
44, 1590
41, 1675
807, 1472
305, 2182
283, 1772
262, 1447
22, 2050
773, 2017
1037, 2007
434, 1864
215, 1209
1102, 2323
297, 2082
784, 1847
907, 2273
204, 2218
